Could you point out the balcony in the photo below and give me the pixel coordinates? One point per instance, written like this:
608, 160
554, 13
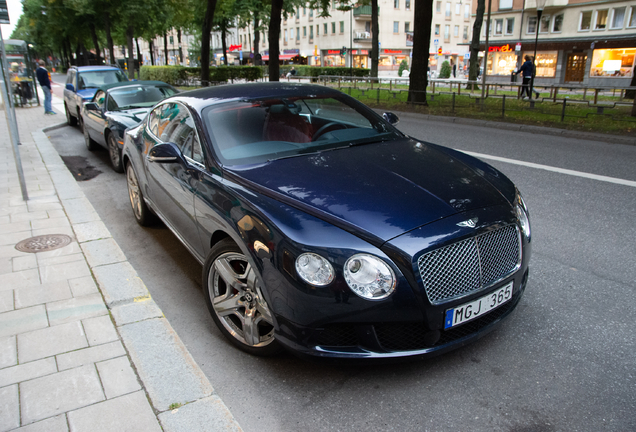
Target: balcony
362, 37
363, 12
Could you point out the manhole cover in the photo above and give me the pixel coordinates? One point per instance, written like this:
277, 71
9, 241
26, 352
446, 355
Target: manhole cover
43, 243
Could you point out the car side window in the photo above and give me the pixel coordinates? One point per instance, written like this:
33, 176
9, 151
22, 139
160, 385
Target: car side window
100, 98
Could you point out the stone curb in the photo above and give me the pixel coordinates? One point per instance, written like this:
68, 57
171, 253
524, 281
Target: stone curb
169, 374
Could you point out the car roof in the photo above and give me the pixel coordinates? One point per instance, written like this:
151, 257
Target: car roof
94, 68
110, 86
206, 96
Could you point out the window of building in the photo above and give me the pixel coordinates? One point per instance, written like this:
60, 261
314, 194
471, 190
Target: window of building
396, 26
438, 7
367, 26
601, 20
311, 31
317, 30
498, 27
436, 29
632, 18
407, 4
325, 29
311, 13
291, 34
448, 9
585, 22
341, 26
557, 25
545, 24
616, 62
532, 25
304, 11
333, 28
298, 13
466, 11
456, 31
304, 31
510, 26
447, 32
407, 27
396, 4
546, 62
485, 26
465, 35
618, 18
458, 8
505, 4
297, 33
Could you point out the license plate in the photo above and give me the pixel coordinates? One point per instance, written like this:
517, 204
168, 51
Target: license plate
469, 311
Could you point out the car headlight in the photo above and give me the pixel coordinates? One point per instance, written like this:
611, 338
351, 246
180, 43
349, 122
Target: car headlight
369, 277
314, 269
522, 215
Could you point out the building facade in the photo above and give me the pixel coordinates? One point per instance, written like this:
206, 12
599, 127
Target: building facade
579, 41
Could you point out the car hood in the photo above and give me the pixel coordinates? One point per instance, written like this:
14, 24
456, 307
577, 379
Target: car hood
385, 189
129, 118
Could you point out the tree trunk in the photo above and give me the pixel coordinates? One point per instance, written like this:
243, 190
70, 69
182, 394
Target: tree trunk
423, 15
375, 38
109, 39
257, 41
274, 41
130, 32
139, 59
165, 47
95, 42
84, 54
205, 43
473, 70
151, 47
180, 49
631, 94
224, 45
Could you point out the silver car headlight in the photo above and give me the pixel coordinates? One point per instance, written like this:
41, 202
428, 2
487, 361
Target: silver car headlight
314, 269
522, 215
369, 277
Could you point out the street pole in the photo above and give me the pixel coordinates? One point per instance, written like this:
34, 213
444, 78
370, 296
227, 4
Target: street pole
483, 74
9, 112
351, 41
536, 41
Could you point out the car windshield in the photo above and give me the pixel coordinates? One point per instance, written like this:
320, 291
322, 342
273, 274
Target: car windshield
137, 96
256, 131
95, 79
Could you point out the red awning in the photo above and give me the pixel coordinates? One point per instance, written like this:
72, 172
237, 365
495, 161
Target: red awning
281, 56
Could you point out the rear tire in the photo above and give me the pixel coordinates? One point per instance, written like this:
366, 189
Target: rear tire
90, 144
235, 300
115, 153
143, 215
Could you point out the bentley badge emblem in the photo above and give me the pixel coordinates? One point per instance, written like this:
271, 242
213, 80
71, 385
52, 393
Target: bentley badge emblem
470, 223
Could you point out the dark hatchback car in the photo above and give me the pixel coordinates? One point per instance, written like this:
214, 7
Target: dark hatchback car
322, 228
116, 107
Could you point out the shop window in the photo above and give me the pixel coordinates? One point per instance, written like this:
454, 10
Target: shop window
501, 63
557, 25
438, 7
456, 31
498, 27
396, 4
465, 35
436, 29
545, 24
448, 9
601, 20
505, 4
586, 21
396, 27
618, 18
532, 25
546, 62
632, 18
510, 26
407, 4
341, 27
466, 11
407, 27
616, 62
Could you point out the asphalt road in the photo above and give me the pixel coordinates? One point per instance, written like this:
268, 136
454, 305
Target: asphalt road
564, 361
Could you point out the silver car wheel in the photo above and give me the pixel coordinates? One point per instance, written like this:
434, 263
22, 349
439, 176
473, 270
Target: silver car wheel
238, 302
133, 192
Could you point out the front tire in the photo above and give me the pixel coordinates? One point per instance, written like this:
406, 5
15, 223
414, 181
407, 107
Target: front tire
72, 121
115, 153
235, 300
143, 215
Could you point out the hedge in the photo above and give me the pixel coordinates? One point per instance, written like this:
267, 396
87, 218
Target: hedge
177, 75
316, 71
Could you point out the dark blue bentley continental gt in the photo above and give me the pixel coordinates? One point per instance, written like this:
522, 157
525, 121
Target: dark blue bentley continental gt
325, 230
116, 107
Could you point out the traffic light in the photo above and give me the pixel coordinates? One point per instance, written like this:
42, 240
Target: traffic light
439, 50
343, 50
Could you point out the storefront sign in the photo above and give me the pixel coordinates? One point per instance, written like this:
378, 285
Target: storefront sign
364, 52
333, 52
391, 51
235, 47
518, 47
291, 51
503, 48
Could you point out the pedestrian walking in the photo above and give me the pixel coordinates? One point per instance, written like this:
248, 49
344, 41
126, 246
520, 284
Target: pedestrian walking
526, 70
45, 82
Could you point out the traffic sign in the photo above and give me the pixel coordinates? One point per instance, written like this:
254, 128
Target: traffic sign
436, 42
466, 56
439, 50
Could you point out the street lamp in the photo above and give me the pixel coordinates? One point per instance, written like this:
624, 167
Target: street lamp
540, 6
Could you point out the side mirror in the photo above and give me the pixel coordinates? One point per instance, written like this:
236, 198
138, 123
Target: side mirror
391, 118
165, 153
91, 106
70, 87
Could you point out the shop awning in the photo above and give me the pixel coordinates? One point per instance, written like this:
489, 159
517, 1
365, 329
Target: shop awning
280, 56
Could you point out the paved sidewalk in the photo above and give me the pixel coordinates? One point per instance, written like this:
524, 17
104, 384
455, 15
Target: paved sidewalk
83, 347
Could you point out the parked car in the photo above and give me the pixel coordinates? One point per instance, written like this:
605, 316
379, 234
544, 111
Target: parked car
322, 228
116, 107
81, 84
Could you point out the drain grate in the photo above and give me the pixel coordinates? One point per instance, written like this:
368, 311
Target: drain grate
43, 243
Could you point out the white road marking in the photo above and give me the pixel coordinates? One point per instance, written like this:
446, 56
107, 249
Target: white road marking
555, 169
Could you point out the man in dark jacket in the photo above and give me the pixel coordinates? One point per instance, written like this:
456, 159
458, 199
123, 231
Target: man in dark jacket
526, 71
45, 82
